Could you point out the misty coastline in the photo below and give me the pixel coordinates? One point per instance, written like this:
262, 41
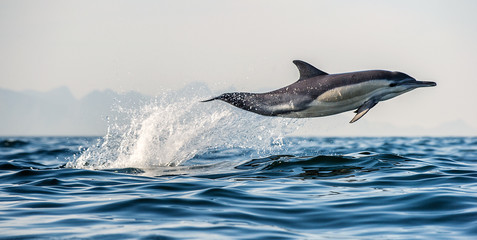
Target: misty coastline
58, 112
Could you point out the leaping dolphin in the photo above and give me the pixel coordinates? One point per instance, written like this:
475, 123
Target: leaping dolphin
318, 94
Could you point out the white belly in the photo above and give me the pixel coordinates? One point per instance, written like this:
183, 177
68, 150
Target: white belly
319, 109
342, 99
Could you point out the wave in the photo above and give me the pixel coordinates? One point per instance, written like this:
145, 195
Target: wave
175, 126
12, 143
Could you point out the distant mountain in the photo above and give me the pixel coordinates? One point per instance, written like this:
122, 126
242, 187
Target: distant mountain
58, 112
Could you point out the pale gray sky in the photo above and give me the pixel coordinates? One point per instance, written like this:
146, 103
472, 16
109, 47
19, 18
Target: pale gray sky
149, 46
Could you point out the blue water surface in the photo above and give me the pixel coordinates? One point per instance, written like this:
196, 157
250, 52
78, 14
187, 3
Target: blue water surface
311, 188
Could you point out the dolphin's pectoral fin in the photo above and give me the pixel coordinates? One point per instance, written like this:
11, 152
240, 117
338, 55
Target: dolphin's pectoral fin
363, 109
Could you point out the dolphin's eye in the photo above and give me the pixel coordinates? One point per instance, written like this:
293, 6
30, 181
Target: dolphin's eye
393, 84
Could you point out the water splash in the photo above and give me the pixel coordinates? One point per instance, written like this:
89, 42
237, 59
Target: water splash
175, 126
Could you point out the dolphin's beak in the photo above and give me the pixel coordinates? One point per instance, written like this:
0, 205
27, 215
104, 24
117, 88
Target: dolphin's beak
427, 84
417, 84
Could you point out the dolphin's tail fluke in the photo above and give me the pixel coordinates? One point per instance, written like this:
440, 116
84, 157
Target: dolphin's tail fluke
212, 99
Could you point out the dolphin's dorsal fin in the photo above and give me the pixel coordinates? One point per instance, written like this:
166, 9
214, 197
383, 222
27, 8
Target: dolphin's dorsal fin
307, 70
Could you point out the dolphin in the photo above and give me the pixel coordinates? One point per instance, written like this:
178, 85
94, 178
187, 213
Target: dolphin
318, 94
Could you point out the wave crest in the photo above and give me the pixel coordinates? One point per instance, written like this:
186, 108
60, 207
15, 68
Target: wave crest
175, 127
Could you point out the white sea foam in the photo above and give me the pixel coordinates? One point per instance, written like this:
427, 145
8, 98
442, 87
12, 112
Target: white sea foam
175, 126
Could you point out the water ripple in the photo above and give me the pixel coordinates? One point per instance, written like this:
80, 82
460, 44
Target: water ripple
313, 188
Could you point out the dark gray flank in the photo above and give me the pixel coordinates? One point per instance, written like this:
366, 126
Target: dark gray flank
311, 84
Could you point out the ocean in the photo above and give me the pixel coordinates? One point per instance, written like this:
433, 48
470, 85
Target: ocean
184, 170
318, 188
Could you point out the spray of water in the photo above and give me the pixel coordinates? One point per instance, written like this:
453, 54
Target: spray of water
176, 126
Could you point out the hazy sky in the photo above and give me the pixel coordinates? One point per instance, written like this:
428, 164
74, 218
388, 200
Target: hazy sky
149, 46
